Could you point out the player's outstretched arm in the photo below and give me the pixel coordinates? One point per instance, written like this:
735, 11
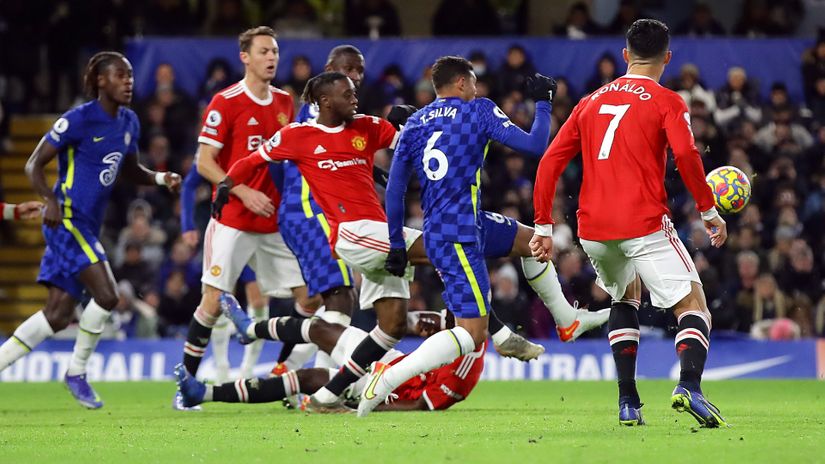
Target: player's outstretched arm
25, 210
140, 174
42, 155
541, 89
400, 172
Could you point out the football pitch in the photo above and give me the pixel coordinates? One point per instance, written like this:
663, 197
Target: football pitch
502, 422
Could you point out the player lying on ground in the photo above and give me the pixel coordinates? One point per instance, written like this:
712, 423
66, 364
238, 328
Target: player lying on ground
335, 155
435, 390
25, 210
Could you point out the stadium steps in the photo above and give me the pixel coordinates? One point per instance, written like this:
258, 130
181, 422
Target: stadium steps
20, 295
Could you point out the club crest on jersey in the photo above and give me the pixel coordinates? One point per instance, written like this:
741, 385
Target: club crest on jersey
127, 138
215, 271
253, 142
283, 119
214, 118
359, 143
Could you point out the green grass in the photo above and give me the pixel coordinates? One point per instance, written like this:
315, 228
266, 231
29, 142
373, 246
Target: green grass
502, 422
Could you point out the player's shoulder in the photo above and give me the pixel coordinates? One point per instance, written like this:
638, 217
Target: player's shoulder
129, 114
72, 121
362, 121
278, 93
228, 93
483, 103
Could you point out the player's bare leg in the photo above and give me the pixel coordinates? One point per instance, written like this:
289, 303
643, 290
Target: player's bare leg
692, 343
100, 283
570, 322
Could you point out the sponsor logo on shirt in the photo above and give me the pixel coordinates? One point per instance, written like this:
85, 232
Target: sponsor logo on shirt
253, 142
334, 165
109, 174
359, 143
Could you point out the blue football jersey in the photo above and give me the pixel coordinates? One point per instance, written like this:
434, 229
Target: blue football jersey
91, 147
295, 195
446, 143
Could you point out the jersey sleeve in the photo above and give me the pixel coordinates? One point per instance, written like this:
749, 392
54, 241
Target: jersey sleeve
284, 145
564, 147
454, 382
66, 131
497, 125
385, 135
187, 199
216, 128
400, 173
685, 154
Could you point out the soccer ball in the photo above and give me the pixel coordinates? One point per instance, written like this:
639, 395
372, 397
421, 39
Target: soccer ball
731, 189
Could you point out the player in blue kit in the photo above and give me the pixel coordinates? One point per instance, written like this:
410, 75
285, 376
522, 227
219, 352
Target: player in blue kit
446, 143
92, 143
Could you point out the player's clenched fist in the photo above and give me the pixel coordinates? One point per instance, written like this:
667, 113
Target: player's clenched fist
399, 114
396, 263
221, 196
541, 88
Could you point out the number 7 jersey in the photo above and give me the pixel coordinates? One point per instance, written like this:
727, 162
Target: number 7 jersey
622, 131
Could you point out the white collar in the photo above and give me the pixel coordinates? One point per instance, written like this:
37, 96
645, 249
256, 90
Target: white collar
327, 129
264, 102
637, 76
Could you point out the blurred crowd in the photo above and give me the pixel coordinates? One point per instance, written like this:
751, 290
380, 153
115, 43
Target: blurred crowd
766, 282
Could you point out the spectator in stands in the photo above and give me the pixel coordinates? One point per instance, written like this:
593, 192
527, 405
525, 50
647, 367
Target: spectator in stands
173, 17
219, 75
486, 84
181, 259
782, 136
373, 18
628, 13
177, 303
466, 17
509, 301
578, 24
180, 113
515, 70
228, 19
740, 317
298, 77
135, 270
133, 317
701, 23
738, 99
691, 88
605, 72
140, 230
816, 103
158, 153
813, 64
295, 19
424, 91
390, 89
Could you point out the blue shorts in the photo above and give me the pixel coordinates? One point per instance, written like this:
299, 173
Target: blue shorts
247, 275
463, 270
70, 248
498, 234
308, 239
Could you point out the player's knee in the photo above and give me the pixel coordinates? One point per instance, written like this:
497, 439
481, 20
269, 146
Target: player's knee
479, 335
310, 303
395, 327
210, 303
107, 299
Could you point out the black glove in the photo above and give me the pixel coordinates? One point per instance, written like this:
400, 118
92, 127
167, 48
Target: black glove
399, 114
221, 197
396, 262
380, 176
541, 88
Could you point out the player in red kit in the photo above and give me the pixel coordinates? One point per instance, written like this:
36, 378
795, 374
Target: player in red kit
237, 121
622, 131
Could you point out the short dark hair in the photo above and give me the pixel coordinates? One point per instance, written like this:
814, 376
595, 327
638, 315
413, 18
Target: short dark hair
319, 84
449, 68
96, 65
342, 50
246, 37
648, 38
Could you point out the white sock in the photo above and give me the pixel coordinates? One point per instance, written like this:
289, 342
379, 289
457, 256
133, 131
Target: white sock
502, 335
544, 280
91, 325
335, 317
220, 348
252, 352
28, 335
207, 395
291, 384
325, 396
439, 350
323, 360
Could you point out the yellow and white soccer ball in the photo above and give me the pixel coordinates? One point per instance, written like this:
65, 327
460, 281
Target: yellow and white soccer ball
731, 189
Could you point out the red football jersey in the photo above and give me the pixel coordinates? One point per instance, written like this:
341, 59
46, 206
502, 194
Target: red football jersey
622, 131
337, 164
238, 122
447, 385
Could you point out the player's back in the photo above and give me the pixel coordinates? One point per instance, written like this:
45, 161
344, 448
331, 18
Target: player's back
447, 142
237, 123
623, 132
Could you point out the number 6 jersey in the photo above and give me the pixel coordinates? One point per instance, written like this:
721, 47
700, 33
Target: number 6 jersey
622, 131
